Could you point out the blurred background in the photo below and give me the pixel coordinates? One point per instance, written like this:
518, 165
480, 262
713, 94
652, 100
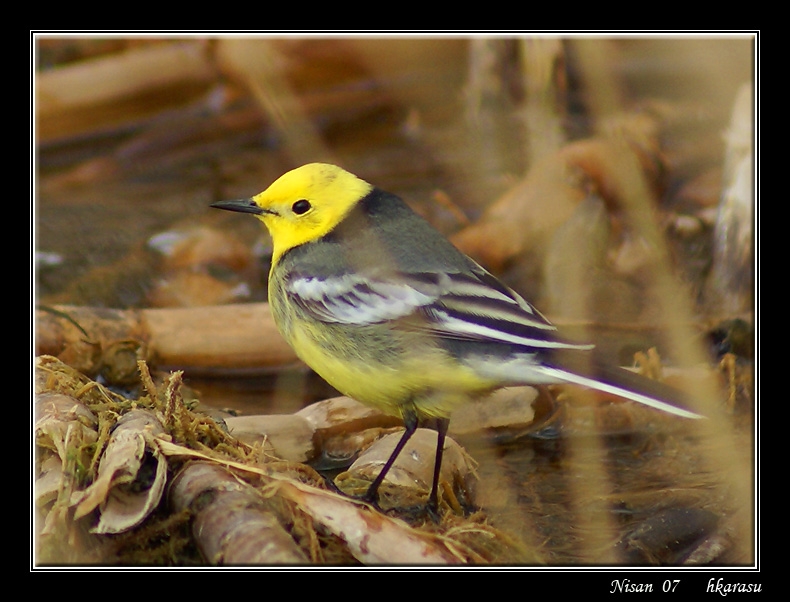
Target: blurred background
608, 179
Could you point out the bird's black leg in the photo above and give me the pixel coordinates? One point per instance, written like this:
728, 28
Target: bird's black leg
441, 425
410, 421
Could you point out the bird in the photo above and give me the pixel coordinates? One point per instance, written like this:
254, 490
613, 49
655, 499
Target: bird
389, 312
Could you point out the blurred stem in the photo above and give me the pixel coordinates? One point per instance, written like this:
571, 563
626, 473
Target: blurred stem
544, 77
255, 63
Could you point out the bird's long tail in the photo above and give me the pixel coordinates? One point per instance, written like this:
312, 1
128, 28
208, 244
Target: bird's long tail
623, 383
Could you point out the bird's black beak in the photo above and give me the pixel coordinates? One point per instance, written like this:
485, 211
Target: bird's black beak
241, 205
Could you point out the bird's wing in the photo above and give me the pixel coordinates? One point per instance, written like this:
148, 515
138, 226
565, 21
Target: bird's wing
471, 305
474, 306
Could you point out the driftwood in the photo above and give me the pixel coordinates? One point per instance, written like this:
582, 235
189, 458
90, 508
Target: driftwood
229, 337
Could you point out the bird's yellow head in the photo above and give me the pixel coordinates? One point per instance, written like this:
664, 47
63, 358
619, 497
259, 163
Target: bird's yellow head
304, 204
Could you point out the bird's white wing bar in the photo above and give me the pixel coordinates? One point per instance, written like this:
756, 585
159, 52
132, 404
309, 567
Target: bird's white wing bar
482, 327
351, 299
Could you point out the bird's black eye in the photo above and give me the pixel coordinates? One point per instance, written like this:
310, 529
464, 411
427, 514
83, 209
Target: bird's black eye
301, 206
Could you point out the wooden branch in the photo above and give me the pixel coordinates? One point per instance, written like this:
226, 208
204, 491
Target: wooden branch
222, 337
88, 96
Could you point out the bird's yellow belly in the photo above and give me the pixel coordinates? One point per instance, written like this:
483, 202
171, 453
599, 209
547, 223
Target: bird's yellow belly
429, 382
